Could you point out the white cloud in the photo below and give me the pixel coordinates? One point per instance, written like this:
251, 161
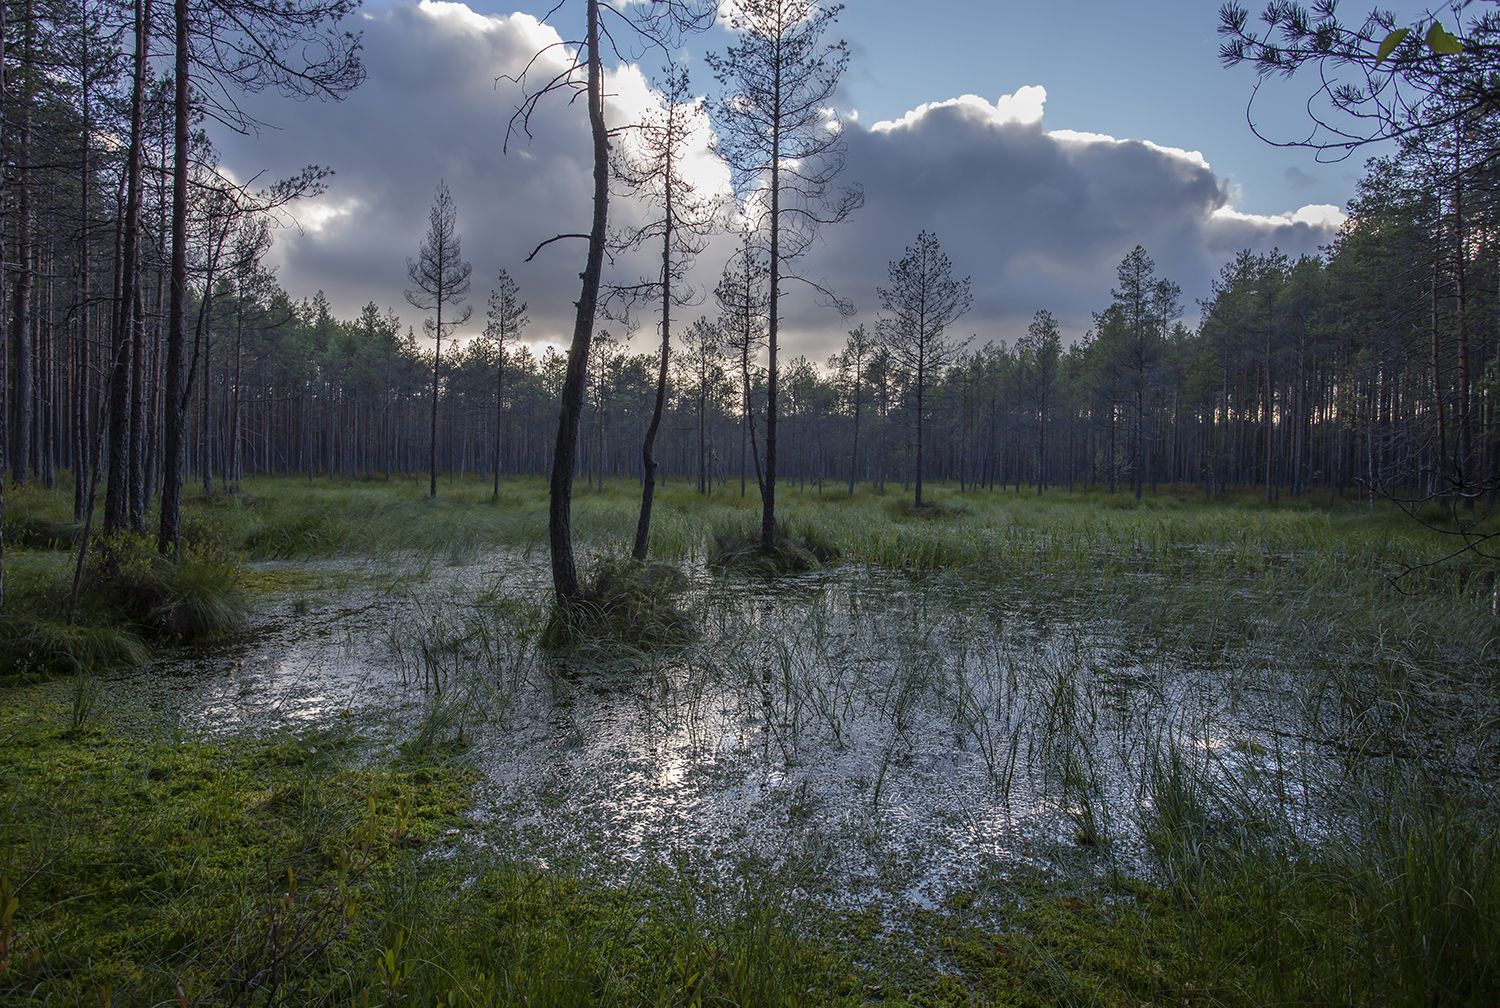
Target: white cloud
1025, 106
1039, 217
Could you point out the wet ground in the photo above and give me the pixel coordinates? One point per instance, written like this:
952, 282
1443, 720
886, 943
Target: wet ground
886, 741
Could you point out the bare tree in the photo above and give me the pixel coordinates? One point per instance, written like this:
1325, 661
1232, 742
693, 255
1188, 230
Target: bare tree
505, 319
785, 146
651, 165
439, 276
584, 73
921, 300
741, 295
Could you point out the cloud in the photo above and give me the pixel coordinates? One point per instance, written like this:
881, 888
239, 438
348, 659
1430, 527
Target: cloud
434, 107
1040, 217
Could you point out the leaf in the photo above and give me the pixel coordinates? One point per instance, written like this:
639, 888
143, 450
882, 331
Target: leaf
1392, 41
1441, 42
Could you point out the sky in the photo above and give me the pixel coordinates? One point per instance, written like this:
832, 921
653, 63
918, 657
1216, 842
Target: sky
1040, 142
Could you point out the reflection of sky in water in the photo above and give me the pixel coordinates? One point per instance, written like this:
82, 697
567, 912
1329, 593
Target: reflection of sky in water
895, 740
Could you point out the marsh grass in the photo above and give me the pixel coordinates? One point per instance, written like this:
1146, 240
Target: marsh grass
795, 549
625, 605
1401, 910
1347, 855
32, 648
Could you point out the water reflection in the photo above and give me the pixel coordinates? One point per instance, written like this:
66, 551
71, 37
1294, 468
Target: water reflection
896, 739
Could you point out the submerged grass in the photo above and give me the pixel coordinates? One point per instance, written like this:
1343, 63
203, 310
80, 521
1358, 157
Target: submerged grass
148, 871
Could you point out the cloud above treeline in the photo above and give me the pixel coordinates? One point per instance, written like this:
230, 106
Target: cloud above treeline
1039, 217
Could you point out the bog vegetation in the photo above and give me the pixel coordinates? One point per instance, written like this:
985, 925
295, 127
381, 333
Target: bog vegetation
1154, 663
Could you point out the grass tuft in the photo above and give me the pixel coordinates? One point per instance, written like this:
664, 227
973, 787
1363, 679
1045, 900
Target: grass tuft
805, 548
200, 596
34, 649
624, 603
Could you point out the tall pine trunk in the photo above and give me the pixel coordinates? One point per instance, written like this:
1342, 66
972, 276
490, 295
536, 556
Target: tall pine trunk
170, 536
565, 449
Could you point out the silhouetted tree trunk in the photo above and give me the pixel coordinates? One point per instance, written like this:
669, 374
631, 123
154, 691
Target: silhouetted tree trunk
21, 292
565, 450
118, 491
169, 539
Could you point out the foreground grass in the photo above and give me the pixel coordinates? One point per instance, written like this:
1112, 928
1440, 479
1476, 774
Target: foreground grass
149, 870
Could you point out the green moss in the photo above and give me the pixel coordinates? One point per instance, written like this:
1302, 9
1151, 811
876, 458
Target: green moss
141, 866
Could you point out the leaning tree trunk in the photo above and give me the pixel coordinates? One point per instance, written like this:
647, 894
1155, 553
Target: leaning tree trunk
648, 446
565, 451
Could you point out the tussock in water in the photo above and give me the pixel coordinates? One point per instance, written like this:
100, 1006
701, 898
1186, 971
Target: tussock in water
626, 604
804, 548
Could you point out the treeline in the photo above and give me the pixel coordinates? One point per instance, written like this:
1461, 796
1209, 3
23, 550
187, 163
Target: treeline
1372, 368
145, 342
119, 229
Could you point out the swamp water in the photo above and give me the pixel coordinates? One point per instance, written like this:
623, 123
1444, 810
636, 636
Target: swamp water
878, 740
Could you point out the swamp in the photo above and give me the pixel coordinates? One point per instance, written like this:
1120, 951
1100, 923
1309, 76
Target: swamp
944, 505
1019, 749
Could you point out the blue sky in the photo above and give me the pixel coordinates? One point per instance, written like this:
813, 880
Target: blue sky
1143, 70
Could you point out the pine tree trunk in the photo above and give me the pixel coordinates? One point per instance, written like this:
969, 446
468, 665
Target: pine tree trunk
170, 536
565, 449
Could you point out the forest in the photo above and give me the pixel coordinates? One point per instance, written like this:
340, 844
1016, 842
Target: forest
1146, 661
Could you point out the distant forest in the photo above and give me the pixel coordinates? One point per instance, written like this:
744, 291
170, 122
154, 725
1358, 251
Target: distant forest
1370, 369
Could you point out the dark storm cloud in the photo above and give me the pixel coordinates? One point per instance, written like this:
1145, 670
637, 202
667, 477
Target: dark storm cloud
1039, 218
